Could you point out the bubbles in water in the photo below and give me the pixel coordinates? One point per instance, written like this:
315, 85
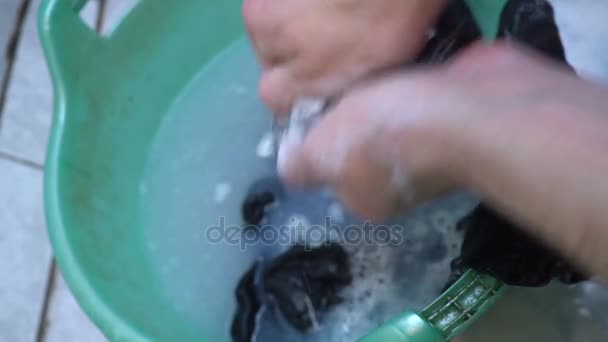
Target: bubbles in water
143, 188
335, 211
222, 190
239, 89
266, 146
198, 172
584, 312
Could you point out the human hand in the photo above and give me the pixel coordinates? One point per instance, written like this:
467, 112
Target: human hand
371, 151
316, 48
398, 140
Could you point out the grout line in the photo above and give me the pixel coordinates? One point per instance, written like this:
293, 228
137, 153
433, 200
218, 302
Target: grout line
11, 51
46, 304
18, 160
101, 15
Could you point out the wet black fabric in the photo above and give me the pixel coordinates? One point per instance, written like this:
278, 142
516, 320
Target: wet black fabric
533, 22
304, 284
260, 196
494, 246
248, 306
254, 207
455, 30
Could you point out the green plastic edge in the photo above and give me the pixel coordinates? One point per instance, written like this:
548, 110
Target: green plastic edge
463, 303
487, 14
409, 326
103, 316
428, 326
78, 5
448, 316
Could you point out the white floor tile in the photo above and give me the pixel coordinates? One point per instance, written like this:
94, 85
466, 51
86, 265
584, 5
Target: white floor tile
28, 107
24, 251
584, 30
66, 321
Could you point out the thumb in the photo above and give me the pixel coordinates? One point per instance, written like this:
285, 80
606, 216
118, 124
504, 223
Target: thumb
277, 90
317, 158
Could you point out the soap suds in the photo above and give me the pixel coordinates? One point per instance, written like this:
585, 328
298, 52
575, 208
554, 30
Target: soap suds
222, 190
584, 312
143, 188
401, 182
303, 116
239, 89
266, 148
287, 145
307, 112
336, 212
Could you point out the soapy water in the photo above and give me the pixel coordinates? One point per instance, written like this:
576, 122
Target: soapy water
305, 113
387, 278
214, 144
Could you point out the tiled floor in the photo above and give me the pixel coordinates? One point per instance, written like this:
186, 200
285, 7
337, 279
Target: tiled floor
28, 104
65, 320
35, 303
24, 251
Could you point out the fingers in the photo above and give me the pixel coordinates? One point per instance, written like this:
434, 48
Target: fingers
369, 193
318, 158
381, 148
265, 22
339, 153
277, 90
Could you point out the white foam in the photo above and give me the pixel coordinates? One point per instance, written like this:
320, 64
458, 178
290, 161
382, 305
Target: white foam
266, 148
239, 89
388, 115
401, 181
584, 312
372, 289
222, 191
304, 114
336, 212
287, 145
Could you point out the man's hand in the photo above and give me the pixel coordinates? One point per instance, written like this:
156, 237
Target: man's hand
317, 48
520, 130
378, 150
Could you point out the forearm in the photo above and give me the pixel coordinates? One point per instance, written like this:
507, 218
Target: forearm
548, 173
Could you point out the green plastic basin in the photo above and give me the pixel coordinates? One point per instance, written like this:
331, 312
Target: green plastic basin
111, 96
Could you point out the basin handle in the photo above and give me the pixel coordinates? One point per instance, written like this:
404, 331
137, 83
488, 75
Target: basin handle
66, 39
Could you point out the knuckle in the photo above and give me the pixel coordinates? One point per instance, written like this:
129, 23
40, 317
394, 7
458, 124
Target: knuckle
248, 12
274, 94
253, 15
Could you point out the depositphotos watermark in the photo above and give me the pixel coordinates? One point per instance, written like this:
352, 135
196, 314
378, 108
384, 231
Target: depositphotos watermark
299, 232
